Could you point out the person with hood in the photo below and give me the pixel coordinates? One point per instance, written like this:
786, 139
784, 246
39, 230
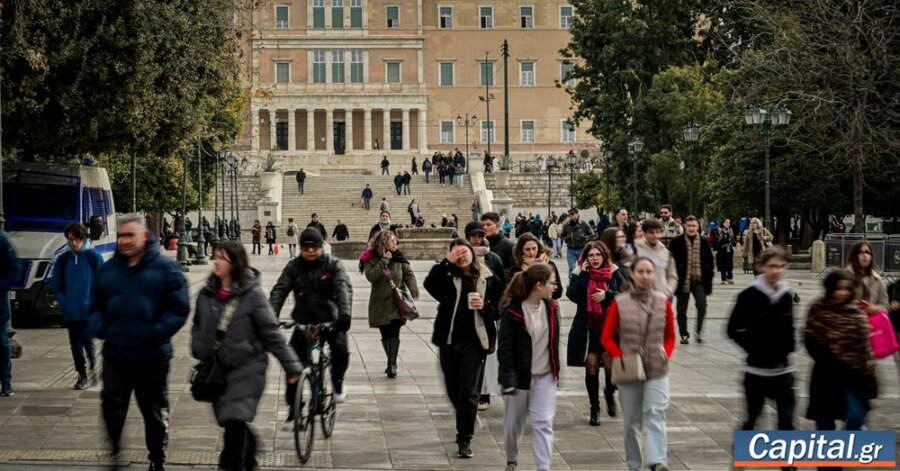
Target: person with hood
270, 237
528, 251
383, 224
762, 324
256, 233
322, 293
468, 296
290, 237
528, 350
385, 265
652, 247
9, 273
233, 292
73, 275
756, 239
137, 326
594, 284
499, 244
836, 336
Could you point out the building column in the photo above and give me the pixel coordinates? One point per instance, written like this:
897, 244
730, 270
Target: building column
405, 128
310, 129
329, 130
423, 131
292, 129
386, 129
367, 129
272, 141
254, 129
348, 124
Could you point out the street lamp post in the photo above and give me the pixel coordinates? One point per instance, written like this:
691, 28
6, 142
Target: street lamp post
488, 96
2, 219
200, 255
691, 135
634, 148
237, 165
467, 121
548, 165
226, 182
181, 256
756, 116
570, 159
214, 238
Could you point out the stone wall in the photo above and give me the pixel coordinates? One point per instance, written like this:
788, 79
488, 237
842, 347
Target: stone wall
248, 194
529, 191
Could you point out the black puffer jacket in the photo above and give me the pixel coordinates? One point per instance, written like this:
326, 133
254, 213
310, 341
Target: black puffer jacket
765, 330
514, 346
322, 290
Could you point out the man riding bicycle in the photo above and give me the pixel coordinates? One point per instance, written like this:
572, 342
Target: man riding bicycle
322, 293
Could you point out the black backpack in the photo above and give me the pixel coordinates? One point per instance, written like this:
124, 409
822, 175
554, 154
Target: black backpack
290, 231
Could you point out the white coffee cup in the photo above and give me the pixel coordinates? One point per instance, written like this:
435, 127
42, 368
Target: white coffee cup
471, 297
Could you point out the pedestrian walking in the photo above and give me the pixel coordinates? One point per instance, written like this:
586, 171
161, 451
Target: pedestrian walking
451, 173
406, 179
756, 239
762, 324
667, 218
383, 259
366, 196
385, 166
73, 275
340, 233
694, 262
415, 167
500, 244
528, 350
316, 224
413, 210
233, 314
9, 274
137, 325
575, 233
615, 240
725, 251
207, 231
256, 233
468, 297
301, 180
426, 169
383, 207
476, 209
460, 175
290, 237
652, 247
553, 232
836, 336
594, 284
488, 163
640, 322
528, 251
270, 237
870, 286
383, 224
322, 293
398, 183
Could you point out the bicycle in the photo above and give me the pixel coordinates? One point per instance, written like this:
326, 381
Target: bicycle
315, 393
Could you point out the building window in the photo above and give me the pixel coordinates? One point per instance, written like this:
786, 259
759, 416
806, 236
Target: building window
526, 74
356, 13
526, 17
318, 65
487, 17
565, 73
446, 74
393, 72
565, 17
528, 131
337, 66
447, 132
356, 66
318, 14
282, 72
446, 18
487, 73
282, 15
568, 132
487, 127
393, 17
337, 14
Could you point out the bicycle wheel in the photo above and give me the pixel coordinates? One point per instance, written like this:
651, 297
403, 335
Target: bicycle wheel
304, 417
328, 411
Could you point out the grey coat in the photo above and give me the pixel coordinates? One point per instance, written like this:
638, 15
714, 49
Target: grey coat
243, 355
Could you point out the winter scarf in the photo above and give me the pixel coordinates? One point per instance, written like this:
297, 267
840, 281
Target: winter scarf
693, 273
844, 329
542, 258
598, 280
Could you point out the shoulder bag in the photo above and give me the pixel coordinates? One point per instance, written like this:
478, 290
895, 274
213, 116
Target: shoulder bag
207, 378
629, 368
403, 300
883, 338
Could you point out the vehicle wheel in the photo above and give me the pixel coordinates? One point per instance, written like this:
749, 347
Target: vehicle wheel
304, 418
328, 412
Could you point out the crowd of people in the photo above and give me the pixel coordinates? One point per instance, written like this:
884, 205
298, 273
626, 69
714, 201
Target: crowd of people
496, 328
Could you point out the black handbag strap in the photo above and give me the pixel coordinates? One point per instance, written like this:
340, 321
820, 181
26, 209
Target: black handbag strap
224, 322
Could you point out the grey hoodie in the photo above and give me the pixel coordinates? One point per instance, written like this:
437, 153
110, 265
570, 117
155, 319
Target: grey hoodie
666, 272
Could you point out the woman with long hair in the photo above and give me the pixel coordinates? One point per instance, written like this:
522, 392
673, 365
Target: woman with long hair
252, 332
528, 251
383, 258
468, 296
756, 239
837, 338
633, 233
870, 287
640, 321
620, 219
616, 241
271, 237
528, 350
592, 287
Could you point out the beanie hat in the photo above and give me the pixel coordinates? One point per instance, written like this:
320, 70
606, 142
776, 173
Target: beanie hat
311, 237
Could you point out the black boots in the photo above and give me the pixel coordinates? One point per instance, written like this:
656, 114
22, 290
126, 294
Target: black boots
595, 417
391, 349
609, 390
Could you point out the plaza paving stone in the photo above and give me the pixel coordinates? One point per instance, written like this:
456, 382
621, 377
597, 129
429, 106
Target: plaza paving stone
404, 423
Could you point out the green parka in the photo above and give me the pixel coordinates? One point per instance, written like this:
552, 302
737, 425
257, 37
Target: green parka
381, 304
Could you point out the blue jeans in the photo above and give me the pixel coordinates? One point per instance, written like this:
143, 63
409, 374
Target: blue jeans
557, 247
5, 357
572, 257
427, 173
300, 187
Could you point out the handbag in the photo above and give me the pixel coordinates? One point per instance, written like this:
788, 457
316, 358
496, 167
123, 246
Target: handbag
403, 300
883, 338
629, 368
207, 378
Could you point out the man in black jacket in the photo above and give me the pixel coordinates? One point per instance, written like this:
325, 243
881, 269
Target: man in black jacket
694, 263
340, 231
575, 233
301, 179
322, 293
315, 224
500, 245
762, 324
